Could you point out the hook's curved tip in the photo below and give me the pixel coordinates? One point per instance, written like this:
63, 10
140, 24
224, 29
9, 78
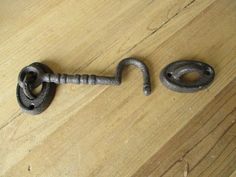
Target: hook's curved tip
147, 90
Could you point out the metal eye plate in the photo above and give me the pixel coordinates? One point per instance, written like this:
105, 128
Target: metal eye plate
43, 99
171, 76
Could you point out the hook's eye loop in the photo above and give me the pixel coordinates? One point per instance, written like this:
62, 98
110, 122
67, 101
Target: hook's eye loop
30, 78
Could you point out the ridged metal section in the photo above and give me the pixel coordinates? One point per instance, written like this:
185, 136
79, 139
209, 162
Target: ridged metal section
102, 80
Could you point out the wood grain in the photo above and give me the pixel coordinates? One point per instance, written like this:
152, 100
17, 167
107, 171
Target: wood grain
107, 131
206, 146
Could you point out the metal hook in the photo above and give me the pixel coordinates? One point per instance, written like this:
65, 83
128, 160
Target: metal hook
139, 64
38, 73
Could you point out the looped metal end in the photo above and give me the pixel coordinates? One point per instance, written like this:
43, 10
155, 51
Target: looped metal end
29, 78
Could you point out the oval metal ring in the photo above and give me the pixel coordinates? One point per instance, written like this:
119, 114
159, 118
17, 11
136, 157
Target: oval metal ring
41, 101
172, 75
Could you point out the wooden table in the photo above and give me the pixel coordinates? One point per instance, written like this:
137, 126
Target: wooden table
106, 131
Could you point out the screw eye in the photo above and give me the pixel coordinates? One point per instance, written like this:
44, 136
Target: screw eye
31, 107
169, 75
208, 73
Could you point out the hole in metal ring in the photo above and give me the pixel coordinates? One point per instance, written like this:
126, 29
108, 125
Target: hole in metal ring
169, 75
36, 91
191, 77
31, 107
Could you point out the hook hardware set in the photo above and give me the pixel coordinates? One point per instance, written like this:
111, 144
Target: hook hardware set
36, 74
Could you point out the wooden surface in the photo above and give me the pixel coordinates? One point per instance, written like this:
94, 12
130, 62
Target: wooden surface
106, 131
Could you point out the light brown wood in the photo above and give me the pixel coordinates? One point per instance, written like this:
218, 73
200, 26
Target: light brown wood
107, 131
234, 174
206, 146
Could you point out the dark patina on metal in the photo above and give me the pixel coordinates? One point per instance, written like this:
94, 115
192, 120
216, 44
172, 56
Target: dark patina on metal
172, 75
30, 78
36, 74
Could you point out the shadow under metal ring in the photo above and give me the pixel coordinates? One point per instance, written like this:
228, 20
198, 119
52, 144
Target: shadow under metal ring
172, 75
